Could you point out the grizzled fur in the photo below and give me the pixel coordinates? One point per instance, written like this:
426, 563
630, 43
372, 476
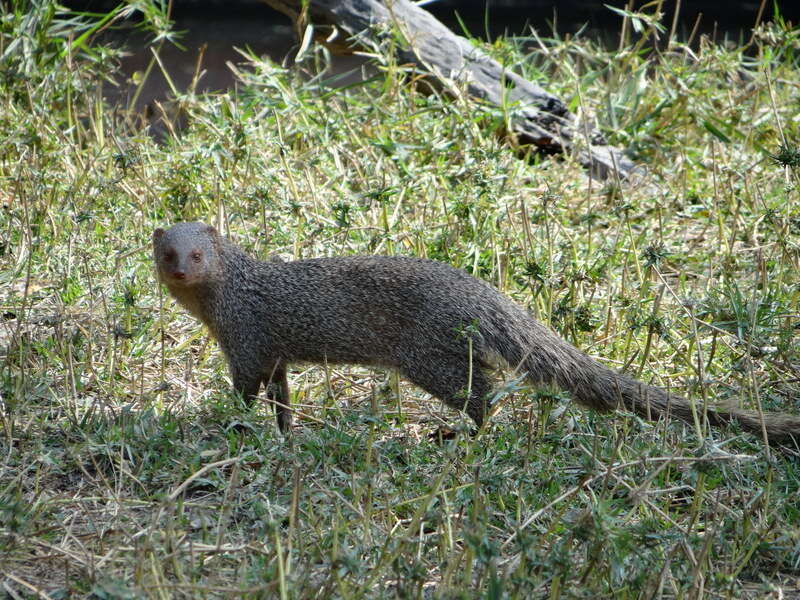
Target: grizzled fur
442, 328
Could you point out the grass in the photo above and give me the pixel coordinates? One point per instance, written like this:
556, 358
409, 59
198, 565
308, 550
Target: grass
128, 469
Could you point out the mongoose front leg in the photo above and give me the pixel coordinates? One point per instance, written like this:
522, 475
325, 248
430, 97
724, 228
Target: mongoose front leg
278, 394
245, 383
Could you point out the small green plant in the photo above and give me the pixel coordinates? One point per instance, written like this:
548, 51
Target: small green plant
788, 155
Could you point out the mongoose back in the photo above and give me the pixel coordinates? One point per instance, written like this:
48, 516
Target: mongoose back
441, 327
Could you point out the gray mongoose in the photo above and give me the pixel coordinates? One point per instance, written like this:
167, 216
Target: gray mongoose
441, 327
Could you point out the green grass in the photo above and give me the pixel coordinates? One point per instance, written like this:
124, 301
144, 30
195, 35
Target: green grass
129, 470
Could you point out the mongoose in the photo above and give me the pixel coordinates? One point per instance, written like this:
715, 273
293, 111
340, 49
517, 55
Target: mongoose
442, 328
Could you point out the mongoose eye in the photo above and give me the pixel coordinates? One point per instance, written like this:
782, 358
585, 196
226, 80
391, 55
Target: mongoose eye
196, 256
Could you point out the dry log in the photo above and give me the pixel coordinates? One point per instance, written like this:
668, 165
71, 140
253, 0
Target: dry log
454, 65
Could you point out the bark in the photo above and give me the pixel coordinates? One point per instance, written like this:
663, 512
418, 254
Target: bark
452, 64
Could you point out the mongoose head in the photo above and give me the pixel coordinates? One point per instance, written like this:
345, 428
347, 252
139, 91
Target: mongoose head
186, 254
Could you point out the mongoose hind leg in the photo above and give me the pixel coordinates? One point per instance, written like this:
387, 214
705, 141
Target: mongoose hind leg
277, 386
448, 376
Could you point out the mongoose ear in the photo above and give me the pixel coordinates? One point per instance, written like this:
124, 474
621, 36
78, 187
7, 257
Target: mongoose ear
212, 231
158, 234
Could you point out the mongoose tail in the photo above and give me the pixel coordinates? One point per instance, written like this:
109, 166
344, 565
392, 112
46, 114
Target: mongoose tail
604, 389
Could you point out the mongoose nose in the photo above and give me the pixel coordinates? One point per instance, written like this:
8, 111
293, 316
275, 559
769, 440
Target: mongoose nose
179, 275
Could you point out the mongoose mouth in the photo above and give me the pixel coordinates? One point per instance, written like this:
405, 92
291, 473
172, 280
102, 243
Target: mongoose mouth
179, 279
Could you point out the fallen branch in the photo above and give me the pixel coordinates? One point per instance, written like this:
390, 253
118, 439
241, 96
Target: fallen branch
453, 65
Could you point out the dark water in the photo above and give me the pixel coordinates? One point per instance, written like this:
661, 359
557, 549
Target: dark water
220, 26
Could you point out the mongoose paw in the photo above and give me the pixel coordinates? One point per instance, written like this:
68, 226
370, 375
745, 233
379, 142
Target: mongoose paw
240, 427
445, 434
